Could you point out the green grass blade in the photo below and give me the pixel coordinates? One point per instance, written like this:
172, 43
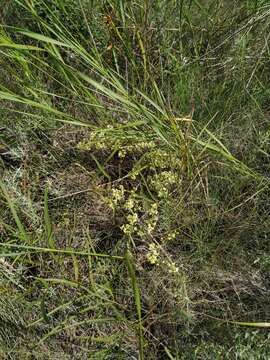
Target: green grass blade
47, 221
137, 299
265, 325
61, 251
22, 233
44, 38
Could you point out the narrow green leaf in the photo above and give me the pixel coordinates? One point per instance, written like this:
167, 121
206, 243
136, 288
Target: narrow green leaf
61, 251
137, 298
100, 167
44, 38
251, 324
47, 221
22, 232
20, 46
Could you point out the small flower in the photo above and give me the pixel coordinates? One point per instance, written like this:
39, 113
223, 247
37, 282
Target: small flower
150, 228
117, 195
122, 153
153, 254
154, 209
171, 235
127, 229
172, 268
132, 218
130, 203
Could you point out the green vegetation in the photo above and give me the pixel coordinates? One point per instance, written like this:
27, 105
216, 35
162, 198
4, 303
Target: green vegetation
134, 189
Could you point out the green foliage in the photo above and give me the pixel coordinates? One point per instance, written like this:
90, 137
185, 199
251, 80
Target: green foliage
134, 212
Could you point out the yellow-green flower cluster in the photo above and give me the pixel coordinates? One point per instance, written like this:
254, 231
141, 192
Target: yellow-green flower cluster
162, 182
131, 226
172, 268
116, 197
140, 215
153, 254
98, 141
143, 225
132, 207
155, 257
137, 147
131, 202
161, 159
152, 218
171, 235
103, 140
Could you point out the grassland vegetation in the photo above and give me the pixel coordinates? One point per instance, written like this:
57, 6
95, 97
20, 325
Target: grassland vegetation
134, 179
